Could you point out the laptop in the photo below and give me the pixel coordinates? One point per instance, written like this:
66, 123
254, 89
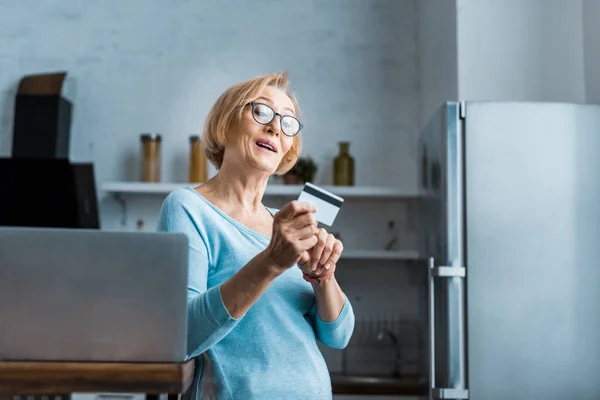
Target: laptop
91, 295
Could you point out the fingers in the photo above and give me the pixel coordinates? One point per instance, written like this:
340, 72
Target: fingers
307, 244
301, 248
296, 216
295, 208
336, 253
302, 226
328, 250
306, 232
324, 255
304, 221
320, 271
294, 233
319, 248
304, 259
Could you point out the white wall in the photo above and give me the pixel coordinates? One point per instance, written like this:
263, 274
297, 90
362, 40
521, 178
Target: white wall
154, 65
158, 66
437, 55
528, 50
591, 44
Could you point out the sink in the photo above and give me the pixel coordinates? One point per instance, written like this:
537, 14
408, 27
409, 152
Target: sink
407, 385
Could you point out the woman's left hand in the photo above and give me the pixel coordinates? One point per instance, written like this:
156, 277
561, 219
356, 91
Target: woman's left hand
324, 255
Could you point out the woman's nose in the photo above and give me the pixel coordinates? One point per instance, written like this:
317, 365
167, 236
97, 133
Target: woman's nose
274, 126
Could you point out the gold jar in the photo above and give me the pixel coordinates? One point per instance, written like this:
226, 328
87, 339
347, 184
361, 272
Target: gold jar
150, 157
198, 166
343, 166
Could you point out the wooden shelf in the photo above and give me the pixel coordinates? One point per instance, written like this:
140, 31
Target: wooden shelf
142, 188
374, 192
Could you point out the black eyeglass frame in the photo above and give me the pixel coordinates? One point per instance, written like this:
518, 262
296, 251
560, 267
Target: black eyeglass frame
253, 103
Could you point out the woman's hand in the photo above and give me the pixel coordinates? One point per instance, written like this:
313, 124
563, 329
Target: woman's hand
323, 256
294, 233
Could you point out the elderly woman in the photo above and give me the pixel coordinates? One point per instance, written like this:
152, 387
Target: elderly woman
261, 289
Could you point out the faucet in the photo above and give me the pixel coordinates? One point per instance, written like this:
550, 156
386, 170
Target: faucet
381, 335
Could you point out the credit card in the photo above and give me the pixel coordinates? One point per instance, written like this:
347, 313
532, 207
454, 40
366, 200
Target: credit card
328, 204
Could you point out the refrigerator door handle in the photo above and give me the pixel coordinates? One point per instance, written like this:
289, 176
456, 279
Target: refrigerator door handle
450, 394
431, 314
449, 272
433, 273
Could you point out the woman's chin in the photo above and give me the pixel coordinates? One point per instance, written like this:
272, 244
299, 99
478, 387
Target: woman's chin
264, 166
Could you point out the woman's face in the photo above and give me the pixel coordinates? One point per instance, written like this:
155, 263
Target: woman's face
262, 147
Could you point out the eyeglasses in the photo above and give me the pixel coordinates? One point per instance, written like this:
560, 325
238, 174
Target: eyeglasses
264, 115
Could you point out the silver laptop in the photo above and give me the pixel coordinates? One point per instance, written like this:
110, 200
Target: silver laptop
90, 295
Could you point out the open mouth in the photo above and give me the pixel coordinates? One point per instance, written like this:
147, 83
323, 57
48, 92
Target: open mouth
266, 144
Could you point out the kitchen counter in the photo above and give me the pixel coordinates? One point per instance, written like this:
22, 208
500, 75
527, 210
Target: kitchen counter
342, 384
23, 378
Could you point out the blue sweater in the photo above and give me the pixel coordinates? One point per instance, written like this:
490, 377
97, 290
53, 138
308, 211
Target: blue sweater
269, 353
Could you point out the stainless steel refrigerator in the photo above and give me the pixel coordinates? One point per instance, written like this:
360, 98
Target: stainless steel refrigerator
510, 229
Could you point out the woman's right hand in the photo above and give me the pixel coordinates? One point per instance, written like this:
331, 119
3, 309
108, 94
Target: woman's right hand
294, 233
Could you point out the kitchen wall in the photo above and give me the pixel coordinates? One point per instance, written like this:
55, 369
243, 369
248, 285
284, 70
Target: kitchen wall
149, 65
158, 66
532, 50
437, 55
591, 45
370, 72
520, 50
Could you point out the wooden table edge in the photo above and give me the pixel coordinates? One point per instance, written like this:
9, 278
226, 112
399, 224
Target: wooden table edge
21, 378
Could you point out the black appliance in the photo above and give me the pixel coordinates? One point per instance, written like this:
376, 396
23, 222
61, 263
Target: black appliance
41, 187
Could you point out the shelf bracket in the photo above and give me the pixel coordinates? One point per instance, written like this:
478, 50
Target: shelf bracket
121, 200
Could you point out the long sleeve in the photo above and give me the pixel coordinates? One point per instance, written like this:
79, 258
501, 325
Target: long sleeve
208, 319
337, 333
271, 351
